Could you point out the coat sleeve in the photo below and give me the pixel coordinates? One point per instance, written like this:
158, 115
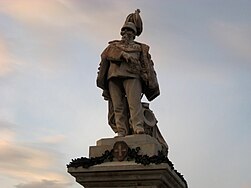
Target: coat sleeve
150, 82
111, 54
104, 65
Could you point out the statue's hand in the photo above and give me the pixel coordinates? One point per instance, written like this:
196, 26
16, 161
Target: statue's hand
129, 58
125, 56
106, 95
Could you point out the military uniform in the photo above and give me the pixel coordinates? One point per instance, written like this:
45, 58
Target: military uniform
126, 81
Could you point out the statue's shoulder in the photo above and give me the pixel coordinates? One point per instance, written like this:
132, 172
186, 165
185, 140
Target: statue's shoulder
114, 42
117, 43
144, 46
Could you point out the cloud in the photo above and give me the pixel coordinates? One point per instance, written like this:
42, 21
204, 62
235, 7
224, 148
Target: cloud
42, 37
6, 131
55, 139
233, 37
43, 184
27, 162
6, 61
41, 31
85, 15
37, 12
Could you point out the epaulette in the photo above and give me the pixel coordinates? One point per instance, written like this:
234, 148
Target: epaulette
145, 46
138, 42
113, 41
142, 44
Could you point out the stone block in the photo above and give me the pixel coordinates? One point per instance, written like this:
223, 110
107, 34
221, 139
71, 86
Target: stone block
148, 145
127, 174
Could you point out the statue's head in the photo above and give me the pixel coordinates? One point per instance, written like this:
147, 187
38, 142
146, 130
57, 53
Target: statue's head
128, 32
129, 25
133, 22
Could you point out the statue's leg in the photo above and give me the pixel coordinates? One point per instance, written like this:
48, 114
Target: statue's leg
133, 89
117, 94
111, 118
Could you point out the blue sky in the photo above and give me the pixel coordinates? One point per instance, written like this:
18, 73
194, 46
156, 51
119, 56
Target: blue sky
51, 110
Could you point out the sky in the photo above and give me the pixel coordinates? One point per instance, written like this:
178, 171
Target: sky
51, 110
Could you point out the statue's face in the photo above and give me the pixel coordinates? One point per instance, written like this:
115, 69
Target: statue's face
127, 34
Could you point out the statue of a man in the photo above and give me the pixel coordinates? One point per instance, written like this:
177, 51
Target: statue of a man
126, 72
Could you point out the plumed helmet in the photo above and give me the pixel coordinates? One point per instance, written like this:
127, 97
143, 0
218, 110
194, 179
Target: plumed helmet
133, 21
129, 25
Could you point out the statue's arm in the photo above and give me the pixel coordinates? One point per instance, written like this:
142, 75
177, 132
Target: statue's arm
114, 53
151, 89
104, 65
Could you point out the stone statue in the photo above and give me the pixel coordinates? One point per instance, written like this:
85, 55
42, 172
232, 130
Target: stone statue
126, 73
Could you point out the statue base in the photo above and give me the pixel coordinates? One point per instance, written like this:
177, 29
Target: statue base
127, 174
148, 145
133, 161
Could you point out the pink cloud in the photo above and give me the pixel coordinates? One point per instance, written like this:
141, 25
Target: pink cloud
43, 184
6, 61
26, 162
88, 17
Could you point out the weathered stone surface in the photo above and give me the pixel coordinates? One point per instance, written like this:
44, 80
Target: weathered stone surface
127, 174
148, 145
126, 73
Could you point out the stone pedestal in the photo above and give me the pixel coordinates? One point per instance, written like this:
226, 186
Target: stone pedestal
100, 172
148, 145
127, 174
